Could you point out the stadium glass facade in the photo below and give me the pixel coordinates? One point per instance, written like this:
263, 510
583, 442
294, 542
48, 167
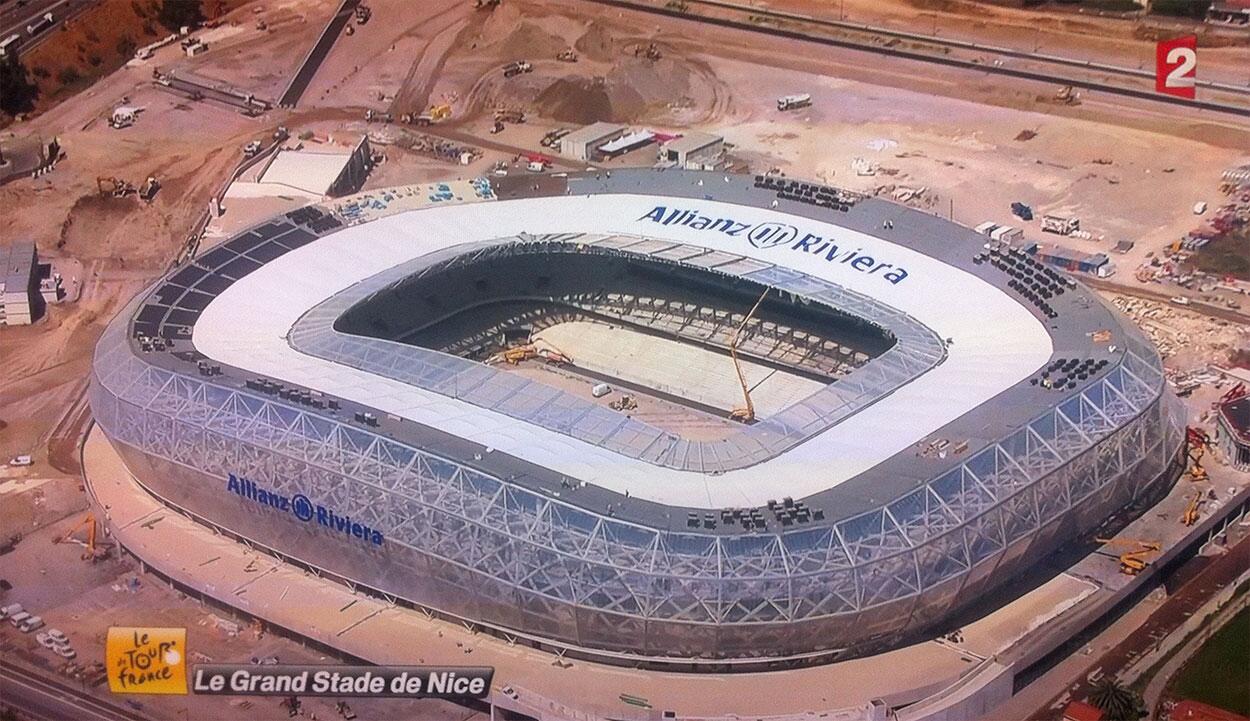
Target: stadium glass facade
490, 551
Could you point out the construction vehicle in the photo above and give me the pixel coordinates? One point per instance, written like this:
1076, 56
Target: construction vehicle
1063, 225
9, 45
90, 551
1021, 211
251, 149
568, 55
625, 403
435, 114
496, 128
509, 115
1067, 95
552, 138
40, 24
554, 357
745, 414
1190, 516
149, 189
363, 13
485, 4
651, 52
516, 67
374, 116
123, 117
1132, 562
794, 102
514, 356
115, 187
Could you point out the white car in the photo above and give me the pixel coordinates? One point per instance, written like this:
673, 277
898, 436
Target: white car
65, 651
57, 637
45, 640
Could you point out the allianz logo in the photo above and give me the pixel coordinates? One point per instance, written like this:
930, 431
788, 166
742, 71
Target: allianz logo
774, 235
302, 508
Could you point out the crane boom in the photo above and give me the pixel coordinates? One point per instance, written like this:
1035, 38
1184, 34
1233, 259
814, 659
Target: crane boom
746, 414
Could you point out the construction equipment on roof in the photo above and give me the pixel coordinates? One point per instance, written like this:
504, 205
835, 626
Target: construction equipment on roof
90, 551
1133, 562
1190, 516
1196, 443
746, 413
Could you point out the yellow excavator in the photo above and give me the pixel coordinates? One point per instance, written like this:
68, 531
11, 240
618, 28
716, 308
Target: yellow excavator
1190, 516
746, 413
90, 551
1133, 562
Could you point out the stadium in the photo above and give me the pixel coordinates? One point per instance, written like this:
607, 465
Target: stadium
660, 418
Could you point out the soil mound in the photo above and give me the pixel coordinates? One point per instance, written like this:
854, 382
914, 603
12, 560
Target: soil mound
528, 41
596, 43
576, 100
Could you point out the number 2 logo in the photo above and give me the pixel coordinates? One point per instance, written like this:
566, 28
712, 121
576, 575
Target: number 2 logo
1176, 66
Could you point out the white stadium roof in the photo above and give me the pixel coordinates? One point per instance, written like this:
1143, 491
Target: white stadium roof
993, 341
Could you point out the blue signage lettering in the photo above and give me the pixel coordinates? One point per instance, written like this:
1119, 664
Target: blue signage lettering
772, 235
303, 509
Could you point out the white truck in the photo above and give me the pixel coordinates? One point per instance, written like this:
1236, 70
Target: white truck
8, 46
794, 102
517, 67
1006, 234
39, 25
1061, 224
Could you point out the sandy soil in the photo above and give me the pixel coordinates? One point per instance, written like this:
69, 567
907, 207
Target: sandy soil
1130, 170
1128, 42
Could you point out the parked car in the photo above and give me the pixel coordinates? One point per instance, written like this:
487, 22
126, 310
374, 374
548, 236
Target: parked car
10, 610
30, 623
45, 640
65, 651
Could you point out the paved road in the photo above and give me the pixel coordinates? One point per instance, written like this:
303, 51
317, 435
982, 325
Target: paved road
1047, 75
1162, 296
954, 43
316, 56
1192, 585
481, 142
14, 19
44, 697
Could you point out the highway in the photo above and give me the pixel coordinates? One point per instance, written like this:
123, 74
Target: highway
15, 16
962, 44
54, 699
1050, 77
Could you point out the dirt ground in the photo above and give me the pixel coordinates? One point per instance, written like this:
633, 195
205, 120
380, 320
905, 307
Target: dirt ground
974, 143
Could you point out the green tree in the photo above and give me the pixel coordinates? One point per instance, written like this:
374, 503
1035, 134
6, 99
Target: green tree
1116, 700
17, 92
173, 14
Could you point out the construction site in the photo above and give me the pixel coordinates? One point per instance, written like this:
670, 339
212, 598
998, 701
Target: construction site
148, 147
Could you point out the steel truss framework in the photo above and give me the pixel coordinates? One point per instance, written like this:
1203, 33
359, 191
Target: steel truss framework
515, 558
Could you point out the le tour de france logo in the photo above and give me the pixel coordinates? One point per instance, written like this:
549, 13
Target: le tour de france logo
146, 660
771, 235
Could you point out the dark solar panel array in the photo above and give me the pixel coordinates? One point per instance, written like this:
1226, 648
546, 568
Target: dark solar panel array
1064, 373
174, 306
1032, 280
824, 196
